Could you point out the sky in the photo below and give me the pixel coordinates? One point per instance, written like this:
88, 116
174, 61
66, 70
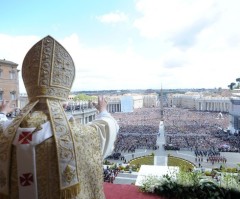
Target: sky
131, 44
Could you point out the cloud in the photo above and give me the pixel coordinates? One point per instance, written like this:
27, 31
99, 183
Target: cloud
179, 44
113, 17
187, 37
164, 18
14, 48
104, 67
173, 63
198, 40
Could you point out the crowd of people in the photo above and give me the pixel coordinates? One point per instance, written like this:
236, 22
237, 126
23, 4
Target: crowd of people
109, 174
138, 130
184, 129
210, 156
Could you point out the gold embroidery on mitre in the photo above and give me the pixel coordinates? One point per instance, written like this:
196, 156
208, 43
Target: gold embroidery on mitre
48, 70
69, 173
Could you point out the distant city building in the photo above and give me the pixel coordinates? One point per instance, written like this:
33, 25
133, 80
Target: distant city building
9, 82
234, 112
137, 101
186, 100
129, 102
115, 103
219, 104
200, 102
150, 100
71, 97
23, 100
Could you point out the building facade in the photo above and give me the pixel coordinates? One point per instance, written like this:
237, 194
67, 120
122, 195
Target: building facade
187, 100
129, 102
199, 102
150, 100
234, 113
218, 104
84, 116
9, 82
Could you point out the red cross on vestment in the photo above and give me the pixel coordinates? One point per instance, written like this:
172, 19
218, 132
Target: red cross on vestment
26, 179
25, 137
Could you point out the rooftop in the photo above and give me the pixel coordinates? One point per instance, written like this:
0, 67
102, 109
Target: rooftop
3, 61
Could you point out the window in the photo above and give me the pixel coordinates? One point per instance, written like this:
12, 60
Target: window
1, 72
12, 74
13, 95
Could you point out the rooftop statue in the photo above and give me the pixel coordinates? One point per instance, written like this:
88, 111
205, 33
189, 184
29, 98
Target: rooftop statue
43, 155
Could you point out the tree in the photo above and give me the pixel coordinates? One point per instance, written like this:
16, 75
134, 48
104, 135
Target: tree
84, 97
238, 81
231, 86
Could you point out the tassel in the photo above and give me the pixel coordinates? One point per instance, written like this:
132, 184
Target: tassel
70, 192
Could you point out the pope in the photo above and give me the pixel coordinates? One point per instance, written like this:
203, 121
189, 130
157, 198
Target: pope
43, 154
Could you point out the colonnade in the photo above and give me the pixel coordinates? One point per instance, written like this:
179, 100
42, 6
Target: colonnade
213, 106
114, 107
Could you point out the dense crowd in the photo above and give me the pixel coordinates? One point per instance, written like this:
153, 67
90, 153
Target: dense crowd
138, 130
184, 129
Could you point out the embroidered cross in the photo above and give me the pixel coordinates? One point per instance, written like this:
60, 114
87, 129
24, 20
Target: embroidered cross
26, 179
25, 137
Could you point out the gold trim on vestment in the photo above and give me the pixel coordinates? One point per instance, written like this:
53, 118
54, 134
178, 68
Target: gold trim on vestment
6, 139
67, 163
48, 72
70, 192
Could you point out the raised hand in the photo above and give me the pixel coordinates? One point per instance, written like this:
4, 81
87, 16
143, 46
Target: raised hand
101, 105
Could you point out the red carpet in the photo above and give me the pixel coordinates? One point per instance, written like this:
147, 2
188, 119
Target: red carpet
121, 191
